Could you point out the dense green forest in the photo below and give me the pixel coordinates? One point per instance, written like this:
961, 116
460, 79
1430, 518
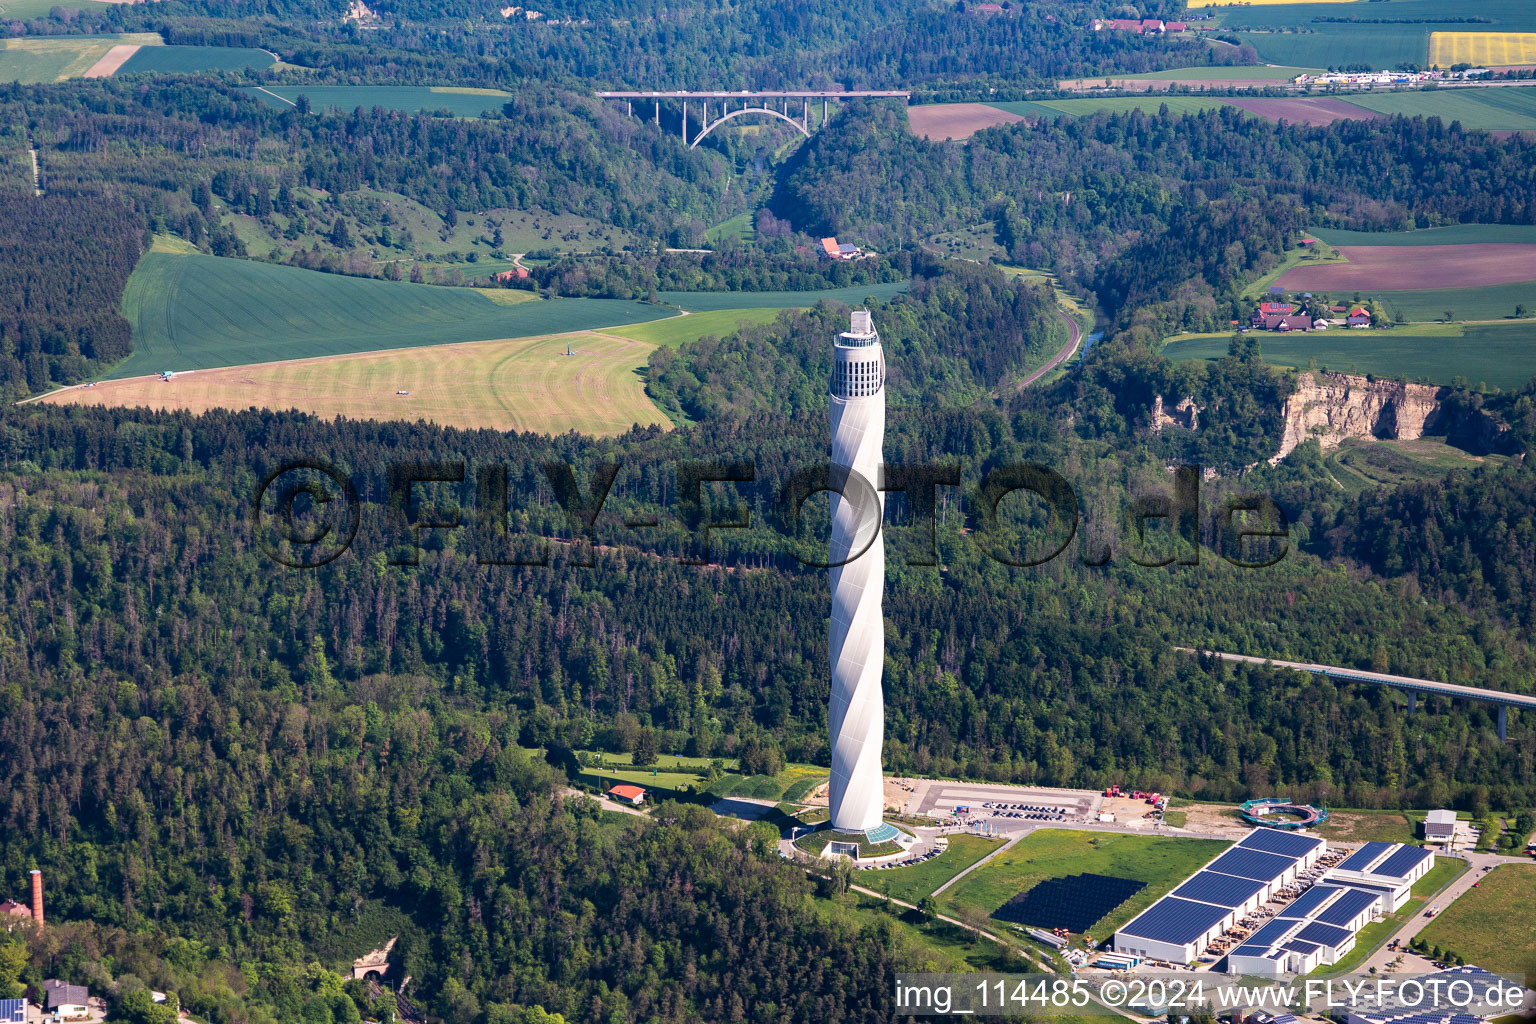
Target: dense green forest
758, 44
238, 775
1161, 216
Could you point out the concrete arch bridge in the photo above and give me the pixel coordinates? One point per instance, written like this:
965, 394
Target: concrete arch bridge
730, 105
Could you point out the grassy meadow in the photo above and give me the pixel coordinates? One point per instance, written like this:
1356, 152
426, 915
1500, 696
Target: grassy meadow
1493, 925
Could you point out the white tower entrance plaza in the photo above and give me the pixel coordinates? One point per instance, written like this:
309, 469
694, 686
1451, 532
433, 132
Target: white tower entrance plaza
857, 628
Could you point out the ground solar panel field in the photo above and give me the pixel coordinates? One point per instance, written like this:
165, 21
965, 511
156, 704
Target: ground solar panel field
1076, 902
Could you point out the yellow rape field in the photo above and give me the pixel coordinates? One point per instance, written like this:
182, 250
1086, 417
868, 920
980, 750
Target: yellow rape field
1483, 49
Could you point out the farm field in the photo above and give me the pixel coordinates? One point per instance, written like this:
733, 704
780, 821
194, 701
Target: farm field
23, 10
1500, 355
1405, 267
679, 330
1510, 109
1161, 862
516, 384
33, 60
941, 121
1451, 234
1311, 110
1231, 73
1486, 302
914, 882
461, 102
1494, 925
196, 312
184, 59
1123, 104
1292, 34
1482, 49
1377, 46
702, 302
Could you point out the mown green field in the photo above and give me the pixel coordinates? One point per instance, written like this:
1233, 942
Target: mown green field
1493, 925
739, 227
1500, 355
678, 330
409, 98
1160, 861
1513, 108
913, 883
1451, 234
197, 312
186, 59
703, 302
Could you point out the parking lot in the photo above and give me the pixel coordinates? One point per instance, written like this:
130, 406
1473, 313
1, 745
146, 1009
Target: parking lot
1009, 805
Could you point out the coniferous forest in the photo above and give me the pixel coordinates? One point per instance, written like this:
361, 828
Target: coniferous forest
238, 774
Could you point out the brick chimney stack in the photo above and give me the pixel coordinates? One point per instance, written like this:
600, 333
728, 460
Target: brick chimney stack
37, 898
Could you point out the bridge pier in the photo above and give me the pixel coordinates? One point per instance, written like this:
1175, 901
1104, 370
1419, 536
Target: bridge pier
1413, 701
685, 122
1503, 723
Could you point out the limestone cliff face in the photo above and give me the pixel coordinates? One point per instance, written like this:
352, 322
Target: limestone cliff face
1185, 414
1336, 406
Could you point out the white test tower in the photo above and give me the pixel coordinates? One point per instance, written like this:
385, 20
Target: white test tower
857, 634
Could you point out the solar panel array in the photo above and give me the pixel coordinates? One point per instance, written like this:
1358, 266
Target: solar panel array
1266, 867
1308, 902
1175, 920
1400, 863
1076, 902
1347, 907
1287, 844
1361, 859
1324, 934
1298, 946
1273, 933
13, 1011
1222, 890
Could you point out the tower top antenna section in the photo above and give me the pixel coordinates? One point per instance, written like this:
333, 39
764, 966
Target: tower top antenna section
861, 331
858, 362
